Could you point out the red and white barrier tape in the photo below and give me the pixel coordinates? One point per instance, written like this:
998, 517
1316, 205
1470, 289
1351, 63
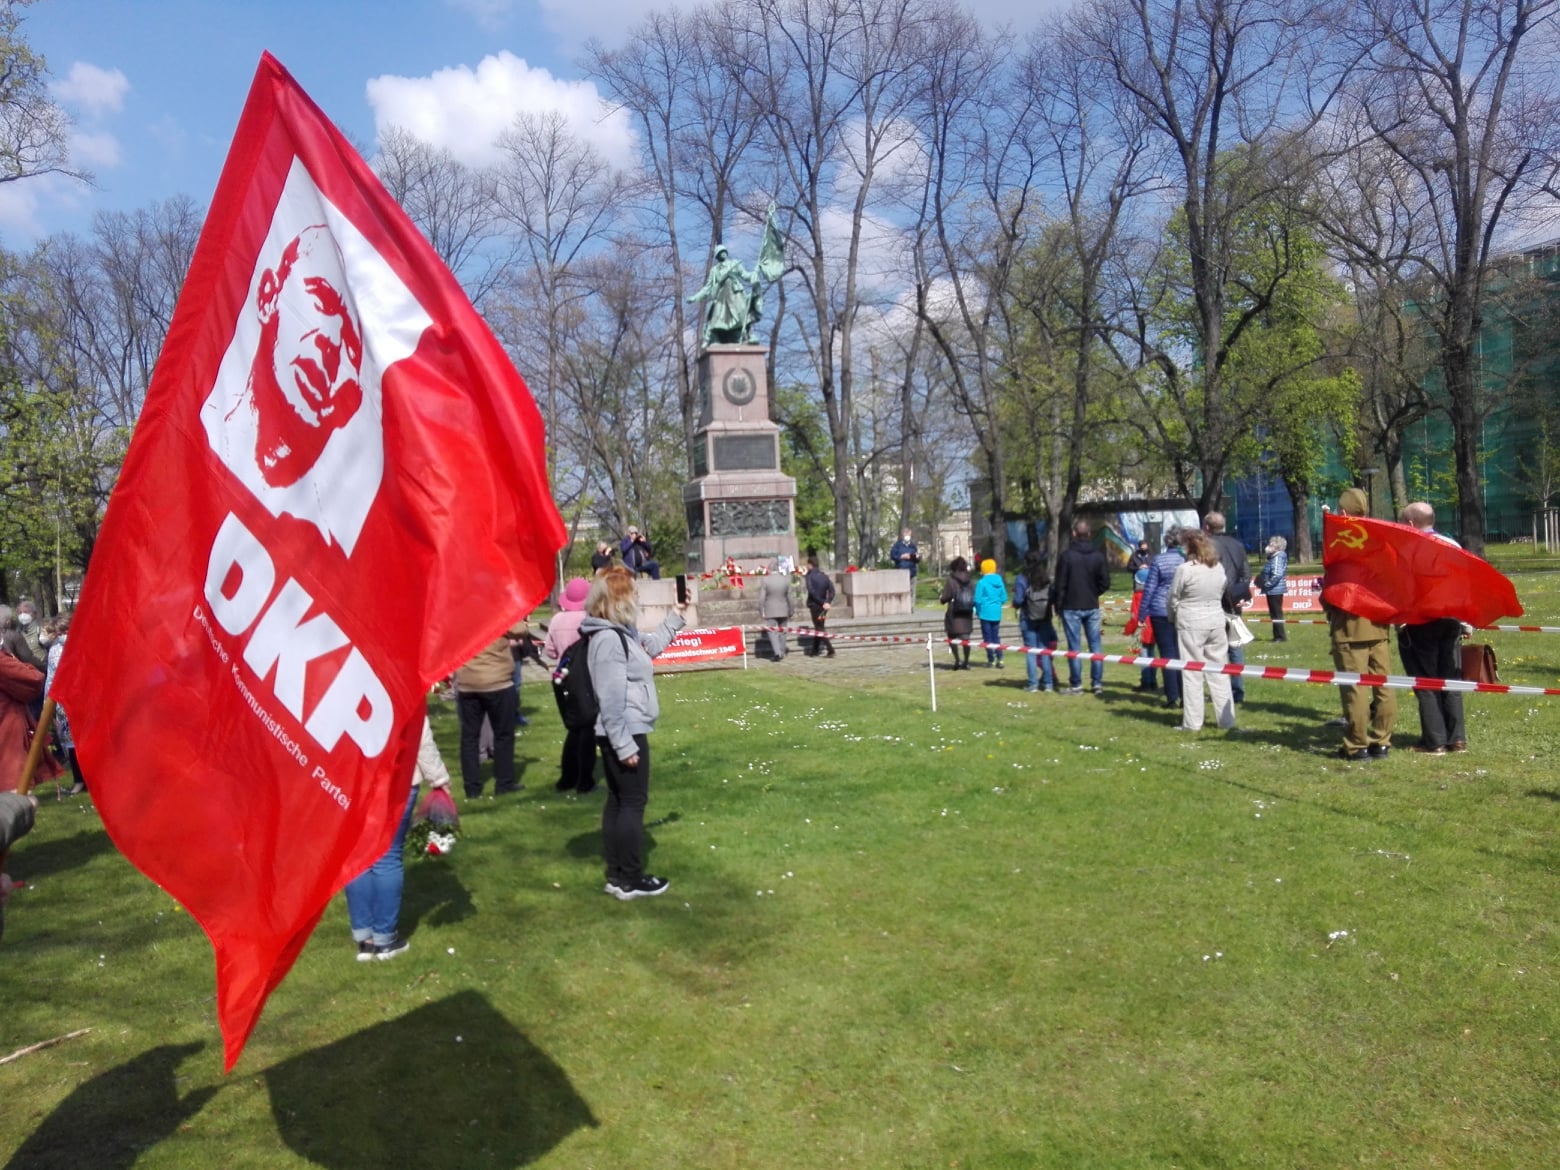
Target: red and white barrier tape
1337, 678
1292, 621
810, 632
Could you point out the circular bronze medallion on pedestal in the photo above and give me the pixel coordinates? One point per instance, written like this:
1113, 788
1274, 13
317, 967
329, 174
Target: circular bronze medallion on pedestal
739, 386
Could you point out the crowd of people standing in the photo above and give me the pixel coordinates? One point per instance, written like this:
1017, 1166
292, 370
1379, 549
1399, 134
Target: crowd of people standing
1187, 604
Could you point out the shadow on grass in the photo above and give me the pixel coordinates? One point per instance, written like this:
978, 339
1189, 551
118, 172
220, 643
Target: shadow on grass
587, 845
1543, 794
31, 859
109, 1121
435, 894
408, 1093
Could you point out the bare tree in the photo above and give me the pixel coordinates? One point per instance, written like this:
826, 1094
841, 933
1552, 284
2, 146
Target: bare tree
1095, 137
1214, 80
1463, 92
696, 131
973, 212
561, 198
451, 204
833, 83
84, 323
34, 131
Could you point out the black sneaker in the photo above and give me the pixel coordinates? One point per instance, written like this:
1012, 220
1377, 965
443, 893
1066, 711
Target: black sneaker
366, 951
396, 946
648, 886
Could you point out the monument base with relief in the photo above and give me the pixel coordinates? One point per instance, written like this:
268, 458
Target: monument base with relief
739, 504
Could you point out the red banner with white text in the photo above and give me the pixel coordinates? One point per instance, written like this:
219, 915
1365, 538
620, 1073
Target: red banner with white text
335, 494
709, 645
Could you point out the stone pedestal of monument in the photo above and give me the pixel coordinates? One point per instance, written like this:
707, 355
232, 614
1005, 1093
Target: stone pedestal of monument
658, 598
875, 592
739, 504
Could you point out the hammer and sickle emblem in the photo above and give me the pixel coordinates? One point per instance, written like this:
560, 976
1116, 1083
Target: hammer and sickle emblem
1353, 537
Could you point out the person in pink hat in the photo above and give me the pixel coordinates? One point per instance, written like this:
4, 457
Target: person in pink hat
578, 766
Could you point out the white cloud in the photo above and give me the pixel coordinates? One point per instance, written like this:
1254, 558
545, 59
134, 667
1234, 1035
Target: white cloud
19, 209
576, 21
21, 201
94, 150
465, 110
93, 90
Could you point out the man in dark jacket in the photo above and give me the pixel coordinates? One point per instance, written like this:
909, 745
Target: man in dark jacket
1081, 576
820, 595
1237, 573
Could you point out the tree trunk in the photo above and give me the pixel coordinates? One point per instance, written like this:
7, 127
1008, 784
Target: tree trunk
1459, 368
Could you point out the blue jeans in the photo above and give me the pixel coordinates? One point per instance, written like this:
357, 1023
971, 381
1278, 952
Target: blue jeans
991, 634
1039, 635
374, 896
1080, 623
1237, 684
1166, 646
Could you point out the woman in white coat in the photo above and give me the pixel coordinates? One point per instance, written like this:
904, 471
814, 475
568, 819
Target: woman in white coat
1197, 609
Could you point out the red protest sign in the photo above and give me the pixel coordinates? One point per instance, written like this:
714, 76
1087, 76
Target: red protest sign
707, 645
335, 494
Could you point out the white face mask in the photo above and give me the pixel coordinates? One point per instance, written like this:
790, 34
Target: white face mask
45, 639
24, 619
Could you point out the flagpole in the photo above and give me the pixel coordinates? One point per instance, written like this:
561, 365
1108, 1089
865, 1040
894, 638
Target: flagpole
35, 752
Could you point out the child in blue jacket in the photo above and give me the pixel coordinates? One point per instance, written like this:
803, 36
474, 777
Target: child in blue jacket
991, 596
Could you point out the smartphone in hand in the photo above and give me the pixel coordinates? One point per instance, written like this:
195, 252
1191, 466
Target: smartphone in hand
682, 589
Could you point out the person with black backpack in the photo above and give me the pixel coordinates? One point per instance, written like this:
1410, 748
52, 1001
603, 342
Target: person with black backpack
621, 679
958, 594
1032, 599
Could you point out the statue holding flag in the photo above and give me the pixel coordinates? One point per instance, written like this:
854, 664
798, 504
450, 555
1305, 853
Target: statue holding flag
734, 297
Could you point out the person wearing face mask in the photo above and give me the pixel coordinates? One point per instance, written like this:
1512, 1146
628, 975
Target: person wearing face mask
20, 638
53, 637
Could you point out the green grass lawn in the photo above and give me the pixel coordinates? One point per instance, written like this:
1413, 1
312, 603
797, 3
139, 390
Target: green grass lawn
1024, 931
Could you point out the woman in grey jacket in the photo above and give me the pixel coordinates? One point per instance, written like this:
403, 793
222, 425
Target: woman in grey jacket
623, 677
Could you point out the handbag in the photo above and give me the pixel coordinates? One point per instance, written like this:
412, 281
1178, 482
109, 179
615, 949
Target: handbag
1478, 663
1238, 631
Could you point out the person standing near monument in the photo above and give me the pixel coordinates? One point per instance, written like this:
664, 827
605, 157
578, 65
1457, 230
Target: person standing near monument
1237, 571
1274, 583
958, 594
485, 690
602, 557
1433, 650
1361, 646
1081, 576
577, 768
774, 604
622, 673
820, 595
1196, 605
638, 557
991, 596
907, 556
1032, 599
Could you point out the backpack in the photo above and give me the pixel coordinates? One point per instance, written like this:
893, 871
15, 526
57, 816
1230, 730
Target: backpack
572, 688
1037, 604
963, 598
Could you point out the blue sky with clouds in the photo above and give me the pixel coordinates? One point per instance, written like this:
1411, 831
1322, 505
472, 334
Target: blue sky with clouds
155, 86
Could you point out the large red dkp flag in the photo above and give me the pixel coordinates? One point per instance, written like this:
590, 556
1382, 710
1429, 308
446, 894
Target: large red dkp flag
335, 494
1397, 575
